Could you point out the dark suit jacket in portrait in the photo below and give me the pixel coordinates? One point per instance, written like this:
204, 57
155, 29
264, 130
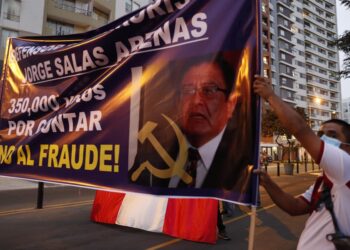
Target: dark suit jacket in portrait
229, 169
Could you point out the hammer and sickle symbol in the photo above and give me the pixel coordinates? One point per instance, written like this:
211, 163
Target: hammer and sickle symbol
175, 167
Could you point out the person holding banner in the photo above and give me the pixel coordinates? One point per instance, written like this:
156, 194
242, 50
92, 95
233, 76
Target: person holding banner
209, 121
331, 150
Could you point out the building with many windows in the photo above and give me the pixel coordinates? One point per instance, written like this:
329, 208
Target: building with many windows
306, 60
300, 58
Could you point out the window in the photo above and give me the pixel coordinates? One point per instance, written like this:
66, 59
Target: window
6, 34
12, 10
319, 11
301, 42
59, 28
283, 80
301, 64
82, 7
131, 5
100, 15
266, 73
321, 31
322, 71
320, 40
323, 81
297, 19
323, 92
265, 60
67, 5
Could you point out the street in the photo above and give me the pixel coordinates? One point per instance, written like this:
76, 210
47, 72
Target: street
64, 222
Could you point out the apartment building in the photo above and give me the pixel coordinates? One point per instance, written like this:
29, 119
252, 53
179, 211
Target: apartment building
346, 109
58, 17
300, 59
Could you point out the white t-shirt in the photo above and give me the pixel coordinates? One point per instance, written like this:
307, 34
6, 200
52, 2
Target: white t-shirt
336, 165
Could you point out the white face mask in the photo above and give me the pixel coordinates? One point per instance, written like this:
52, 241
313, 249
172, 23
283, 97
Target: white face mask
330, 140
333, 141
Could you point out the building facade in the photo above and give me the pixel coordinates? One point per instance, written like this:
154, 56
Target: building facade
346, 109
299, 57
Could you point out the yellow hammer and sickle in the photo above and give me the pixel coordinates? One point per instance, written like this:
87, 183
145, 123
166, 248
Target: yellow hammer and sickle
175, 167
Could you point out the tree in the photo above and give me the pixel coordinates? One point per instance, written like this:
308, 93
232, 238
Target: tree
343, 43
346, 3
271, 125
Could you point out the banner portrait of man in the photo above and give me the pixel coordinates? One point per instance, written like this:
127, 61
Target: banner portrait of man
201, 110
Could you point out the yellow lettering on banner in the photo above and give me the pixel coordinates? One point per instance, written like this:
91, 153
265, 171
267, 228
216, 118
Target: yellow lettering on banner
105, 156
64, 159
24, 156
91, 157
53, 155
43, 153
30, 161
21, 156
77, 164
6, 153
116, 158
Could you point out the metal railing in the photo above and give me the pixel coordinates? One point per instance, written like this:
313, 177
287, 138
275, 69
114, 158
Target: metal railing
299, 167
11, 16
61, 5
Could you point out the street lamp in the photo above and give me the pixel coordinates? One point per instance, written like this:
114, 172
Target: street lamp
317, 100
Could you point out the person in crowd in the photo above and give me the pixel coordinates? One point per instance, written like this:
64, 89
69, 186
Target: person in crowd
330, 148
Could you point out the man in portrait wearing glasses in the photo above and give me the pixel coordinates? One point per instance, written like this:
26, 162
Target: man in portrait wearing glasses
207, 115
206, 104
331, 150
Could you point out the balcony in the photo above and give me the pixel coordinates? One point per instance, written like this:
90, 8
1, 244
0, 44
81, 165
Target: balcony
11, 16
287, 85
71, 8
78, 17
287, 4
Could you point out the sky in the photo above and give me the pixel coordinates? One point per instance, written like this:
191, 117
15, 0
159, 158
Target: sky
343, 24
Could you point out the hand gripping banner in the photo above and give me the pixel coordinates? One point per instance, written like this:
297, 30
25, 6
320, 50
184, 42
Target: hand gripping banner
159, 102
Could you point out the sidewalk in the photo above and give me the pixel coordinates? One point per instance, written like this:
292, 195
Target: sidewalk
11, 183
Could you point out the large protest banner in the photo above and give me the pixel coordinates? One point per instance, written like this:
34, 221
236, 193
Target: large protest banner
117, 108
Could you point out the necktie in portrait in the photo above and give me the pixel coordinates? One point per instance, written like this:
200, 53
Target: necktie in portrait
191, 167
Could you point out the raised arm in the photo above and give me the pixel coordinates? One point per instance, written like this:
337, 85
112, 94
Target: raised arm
285, 201
289, 118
